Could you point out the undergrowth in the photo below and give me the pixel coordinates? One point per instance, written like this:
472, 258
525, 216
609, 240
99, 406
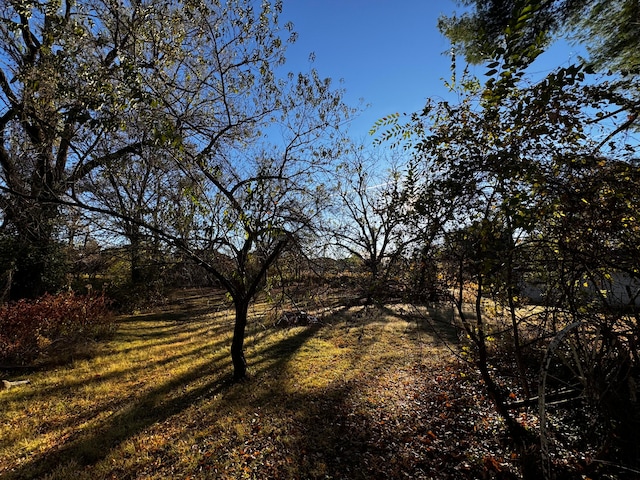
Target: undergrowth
30, 329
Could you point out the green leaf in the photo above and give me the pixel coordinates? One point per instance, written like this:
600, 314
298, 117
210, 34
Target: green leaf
527, 9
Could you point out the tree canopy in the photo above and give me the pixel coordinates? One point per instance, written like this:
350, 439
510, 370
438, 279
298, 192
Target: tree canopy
175, 120
607, 29
529, 166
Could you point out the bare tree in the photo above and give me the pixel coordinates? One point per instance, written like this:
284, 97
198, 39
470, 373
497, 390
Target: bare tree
253, 147
371, 221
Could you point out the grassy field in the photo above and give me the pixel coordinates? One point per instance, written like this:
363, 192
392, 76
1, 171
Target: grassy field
364, 395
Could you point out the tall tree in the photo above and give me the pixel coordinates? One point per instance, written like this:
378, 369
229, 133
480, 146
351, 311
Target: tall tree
207, 81
65, 81
253, 143
529, 166
142, 189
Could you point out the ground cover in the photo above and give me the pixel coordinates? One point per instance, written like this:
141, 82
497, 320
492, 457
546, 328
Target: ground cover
363, 394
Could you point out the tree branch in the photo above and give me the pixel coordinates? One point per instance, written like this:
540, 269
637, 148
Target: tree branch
84, 169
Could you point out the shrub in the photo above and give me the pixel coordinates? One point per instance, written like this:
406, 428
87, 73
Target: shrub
29, 327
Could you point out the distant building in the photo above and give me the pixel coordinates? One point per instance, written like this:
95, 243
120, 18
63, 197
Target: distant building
620, 289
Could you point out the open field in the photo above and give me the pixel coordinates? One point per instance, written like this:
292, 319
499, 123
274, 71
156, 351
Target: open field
361, 396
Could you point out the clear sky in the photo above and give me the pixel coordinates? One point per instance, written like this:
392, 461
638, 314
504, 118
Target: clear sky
389, 53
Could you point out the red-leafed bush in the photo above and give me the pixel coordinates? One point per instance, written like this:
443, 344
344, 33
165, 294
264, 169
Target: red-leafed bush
29, 327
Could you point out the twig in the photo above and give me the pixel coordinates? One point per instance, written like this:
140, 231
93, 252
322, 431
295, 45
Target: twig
6, 384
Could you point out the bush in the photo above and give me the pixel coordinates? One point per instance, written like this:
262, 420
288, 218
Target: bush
30, 327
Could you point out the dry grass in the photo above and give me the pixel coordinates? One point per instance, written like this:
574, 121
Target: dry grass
365, 395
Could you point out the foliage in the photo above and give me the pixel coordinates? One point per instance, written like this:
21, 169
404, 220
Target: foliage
479, 33
31, 328
20, 259
607, 29
66, 86
530, 167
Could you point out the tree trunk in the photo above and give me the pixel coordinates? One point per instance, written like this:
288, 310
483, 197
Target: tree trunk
137, 272
373, 287
511, 282
37, 259
237, 344
529, 460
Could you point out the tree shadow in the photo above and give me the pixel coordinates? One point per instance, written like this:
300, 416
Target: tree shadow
328, 431
155, 406
324, 433
135, 413
437, 320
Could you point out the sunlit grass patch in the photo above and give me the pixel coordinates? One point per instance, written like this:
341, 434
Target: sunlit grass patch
147, 363
158, 401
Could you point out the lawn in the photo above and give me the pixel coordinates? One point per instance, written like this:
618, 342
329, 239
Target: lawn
366, 394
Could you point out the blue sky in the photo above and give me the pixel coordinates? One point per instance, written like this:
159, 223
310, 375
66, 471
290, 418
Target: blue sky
389, 53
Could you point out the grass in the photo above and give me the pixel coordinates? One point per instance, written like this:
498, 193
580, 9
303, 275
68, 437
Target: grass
362, 396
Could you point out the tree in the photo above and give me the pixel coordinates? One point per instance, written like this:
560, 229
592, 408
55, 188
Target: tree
142, 189
529, 164
520, 159
207, 81
252, 144
371, 218
65, 84
608, 29
479, 170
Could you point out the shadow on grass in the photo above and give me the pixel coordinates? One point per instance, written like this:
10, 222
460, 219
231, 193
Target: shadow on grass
315, 432
157, 333
135, 413
338, 442
437, 320
156, 406
148, 335
337, 429
159, 326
